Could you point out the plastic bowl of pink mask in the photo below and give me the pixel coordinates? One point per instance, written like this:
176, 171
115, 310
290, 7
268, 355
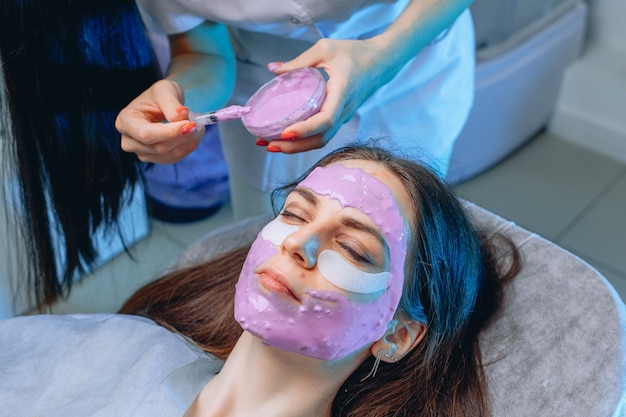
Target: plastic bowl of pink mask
287, 99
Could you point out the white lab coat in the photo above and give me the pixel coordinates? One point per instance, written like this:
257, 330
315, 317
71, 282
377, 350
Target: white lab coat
418, 114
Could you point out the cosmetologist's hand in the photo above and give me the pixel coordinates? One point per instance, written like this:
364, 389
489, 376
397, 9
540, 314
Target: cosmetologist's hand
357, 68
355, 73
155, 125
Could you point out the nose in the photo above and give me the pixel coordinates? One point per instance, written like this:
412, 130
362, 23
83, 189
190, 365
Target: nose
303, 246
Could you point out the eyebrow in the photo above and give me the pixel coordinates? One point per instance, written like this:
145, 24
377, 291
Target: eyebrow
311, 198
355, 224
307, 194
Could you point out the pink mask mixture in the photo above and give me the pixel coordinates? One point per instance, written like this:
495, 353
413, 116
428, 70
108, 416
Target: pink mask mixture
286, 99
282, 99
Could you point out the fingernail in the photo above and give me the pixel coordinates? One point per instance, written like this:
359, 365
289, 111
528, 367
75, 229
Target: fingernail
188, 128
288, 135
274, 65
272, 149
261, 142
181, 109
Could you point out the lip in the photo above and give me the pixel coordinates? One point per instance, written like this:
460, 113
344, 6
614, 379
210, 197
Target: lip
274, 282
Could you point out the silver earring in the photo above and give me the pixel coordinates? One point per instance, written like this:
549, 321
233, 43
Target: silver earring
375, 367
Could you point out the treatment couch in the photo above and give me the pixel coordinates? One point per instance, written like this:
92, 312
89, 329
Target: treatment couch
558, 349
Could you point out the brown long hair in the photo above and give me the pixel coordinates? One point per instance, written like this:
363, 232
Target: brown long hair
196, 301
454, 277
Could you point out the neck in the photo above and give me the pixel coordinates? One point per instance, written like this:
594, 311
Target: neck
258, 380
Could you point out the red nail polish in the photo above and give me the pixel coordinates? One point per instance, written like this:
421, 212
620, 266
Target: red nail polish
288, 135
261, 142
188, 128
272, 149
274, 65
181, 109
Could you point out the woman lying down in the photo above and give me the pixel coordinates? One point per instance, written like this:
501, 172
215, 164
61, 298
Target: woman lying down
363, 297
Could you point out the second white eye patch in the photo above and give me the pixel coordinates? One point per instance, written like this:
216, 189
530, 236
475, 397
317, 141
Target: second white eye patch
348, 277
331, 265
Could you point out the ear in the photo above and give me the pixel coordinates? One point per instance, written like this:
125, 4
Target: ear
402, 337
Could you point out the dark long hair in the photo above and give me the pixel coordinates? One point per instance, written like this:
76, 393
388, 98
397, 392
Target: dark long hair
69, 68
454, 270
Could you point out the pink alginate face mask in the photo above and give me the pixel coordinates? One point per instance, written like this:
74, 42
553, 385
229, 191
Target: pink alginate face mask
327, 324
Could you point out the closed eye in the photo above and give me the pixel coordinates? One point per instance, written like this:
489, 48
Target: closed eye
299, 204
352, 234
289, 215
356, 255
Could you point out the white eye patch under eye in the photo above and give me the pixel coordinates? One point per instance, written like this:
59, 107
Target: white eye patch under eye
277, 231
347, 277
